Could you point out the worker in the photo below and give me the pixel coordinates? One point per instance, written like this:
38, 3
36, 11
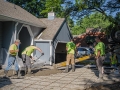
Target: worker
13, 50
100, 56
70, 47
26, 55
114, 60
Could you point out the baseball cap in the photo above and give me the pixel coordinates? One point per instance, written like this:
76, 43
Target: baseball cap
17, 40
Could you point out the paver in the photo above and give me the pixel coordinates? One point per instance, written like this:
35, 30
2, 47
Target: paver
31, 89
66, 88
71, 86
78, 83
64, 82
66, 79
22, 84
16, 80
34, 86
80, 79
44, 83
35, 79
52, 88
57, 85
28, 81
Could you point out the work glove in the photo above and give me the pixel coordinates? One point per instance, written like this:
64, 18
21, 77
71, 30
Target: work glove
42, 53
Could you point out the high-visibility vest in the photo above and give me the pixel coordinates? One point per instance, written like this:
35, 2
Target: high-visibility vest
29, 50
13, 47
113, 59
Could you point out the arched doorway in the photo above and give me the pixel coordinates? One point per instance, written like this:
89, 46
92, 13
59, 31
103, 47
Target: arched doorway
25, 38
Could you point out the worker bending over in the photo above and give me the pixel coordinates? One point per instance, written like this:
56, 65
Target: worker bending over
26, 55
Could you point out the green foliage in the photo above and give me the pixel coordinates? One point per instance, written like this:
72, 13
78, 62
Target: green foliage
32, 6
40, 8
54, 5
96, 20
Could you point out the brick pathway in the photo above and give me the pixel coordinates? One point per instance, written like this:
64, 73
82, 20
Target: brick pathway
79, 80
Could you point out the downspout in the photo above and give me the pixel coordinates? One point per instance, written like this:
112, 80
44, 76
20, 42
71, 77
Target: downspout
50, 52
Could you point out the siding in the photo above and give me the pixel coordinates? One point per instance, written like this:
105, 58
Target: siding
8, 37
36, 31
63, 34
45, 47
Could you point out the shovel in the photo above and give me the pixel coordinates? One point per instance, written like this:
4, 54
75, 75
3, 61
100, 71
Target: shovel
38, 58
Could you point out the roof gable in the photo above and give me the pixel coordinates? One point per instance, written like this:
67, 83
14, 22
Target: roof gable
16, 13
53, 27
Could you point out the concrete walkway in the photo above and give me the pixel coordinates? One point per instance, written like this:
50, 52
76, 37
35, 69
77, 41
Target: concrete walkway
81, 79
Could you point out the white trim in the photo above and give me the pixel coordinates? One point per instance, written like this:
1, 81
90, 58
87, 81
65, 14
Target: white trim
19, 32
28, 28
60, 42
50, 53
56, 46
15, 34
39, 35
29, 31
43, 40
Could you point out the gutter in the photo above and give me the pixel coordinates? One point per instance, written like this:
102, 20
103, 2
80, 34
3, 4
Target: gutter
40, 40
24, 22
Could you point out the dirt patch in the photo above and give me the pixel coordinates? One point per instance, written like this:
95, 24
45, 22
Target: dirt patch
115, 86
41, 72
45, 72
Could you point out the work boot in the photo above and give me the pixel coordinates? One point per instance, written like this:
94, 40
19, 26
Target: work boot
19, 75
67, 69
5, 73
26, 70
73, 68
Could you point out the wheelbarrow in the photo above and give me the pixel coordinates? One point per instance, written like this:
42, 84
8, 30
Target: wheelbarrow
35, 64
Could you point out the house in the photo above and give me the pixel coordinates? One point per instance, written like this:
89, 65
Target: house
50, 34
15, 23
53, 40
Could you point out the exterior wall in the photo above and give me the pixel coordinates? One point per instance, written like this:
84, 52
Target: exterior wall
63, 36
45, 47
36, 31
8, 38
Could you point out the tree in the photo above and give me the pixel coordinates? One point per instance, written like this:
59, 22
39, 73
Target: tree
95, 20
32, 6
40, 8
54, 5
80, 8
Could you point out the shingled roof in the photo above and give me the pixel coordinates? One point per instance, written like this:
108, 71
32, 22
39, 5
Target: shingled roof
13, 12
52, 27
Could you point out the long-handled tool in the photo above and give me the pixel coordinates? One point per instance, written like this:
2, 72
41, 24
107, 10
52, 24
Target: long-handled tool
38, 58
